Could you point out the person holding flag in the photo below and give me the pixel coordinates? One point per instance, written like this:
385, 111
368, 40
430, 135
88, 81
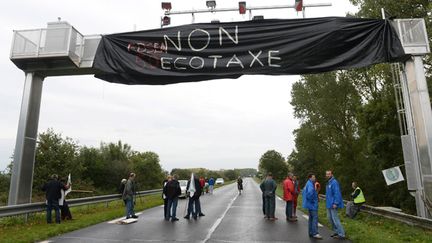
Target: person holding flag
194, 190
64, 207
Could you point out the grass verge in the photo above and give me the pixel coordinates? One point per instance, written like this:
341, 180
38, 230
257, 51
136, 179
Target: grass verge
14, 229
369, 228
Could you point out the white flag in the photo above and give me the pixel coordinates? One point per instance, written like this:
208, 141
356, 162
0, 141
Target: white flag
393, 175
68, 183
192, 188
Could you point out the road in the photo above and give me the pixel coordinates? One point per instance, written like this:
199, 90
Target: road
229, 218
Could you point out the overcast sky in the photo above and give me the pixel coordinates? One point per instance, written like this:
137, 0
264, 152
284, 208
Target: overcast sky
212, 124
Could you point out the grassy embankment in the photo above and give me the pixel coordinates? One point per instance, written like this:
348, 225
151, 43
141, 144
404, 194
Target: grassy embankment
14, 229
369, 228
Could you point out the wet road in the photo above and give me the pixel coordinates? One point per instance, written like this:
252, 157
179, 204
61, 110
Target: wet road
229, 218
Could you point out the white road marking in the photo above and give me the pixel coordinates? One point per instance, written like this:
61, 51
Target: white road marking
122, 218
307, 217
219, 220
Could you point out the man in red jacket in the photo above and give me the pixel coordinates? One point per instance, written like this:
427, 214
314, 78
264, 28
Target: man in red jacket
288, 189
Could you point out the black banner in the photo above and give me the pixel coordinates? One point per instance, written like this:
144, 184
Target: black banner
206, 51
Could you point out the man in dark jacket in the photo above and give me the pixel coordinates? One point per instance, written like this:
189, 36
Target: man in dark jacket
172, 191
128, 196
52, 191
164, 197
194, 196
268, 188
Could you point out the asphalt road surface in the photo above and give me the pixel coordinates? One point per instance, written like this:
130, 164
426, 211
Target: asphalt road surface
229, 217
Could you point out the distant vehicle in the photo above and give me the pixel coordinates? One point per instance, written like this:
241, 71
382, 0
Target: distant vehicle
220, 181
183, 185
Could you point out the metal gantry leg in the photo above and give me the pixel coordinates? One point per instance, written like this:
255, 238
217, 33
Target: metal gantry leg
24, 155
422, 121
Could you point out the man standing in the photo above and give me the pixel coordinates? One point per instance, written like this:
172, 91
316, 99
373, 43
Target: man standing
295, 195
202, 184
52, 191
128, 196
288, 191
172, 191
211, 183
354, 206
310, 202
194, 190
333, 202
268, 188
240, 184
164, 197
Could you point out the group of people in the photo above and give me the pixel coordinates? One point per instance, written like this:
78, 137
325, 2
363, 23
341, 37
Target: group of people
172, 190
291, 190
55, 193
334, 201
55, 199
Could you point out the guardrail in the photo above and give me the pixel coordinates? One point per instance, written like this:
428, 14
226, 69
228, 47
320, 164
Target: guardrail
398, 216
21, 209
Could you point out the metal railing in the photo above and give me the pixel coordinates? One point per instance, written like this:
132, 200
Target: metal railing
398, 216
23, 209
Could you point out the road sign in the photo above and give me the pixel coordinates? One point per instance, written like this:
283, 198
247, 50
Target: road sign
393, 175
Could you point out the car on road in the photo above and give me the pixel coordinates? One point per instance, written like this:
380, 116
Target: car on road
183, 185
220, 181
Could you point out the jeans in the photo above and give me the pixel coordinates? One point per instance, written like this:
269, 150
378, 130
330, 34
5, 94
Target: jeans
172, 208
289, 209
53, 204
313, 222
333, 217
211, 189
129, 208
165, 207
270, 206
194, 206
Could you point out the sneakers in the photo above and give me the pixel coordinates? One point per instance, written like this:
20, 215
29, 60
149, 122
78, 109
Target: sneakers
201, 214
186, 217
174, 219
134, 216
317, 236
333, 235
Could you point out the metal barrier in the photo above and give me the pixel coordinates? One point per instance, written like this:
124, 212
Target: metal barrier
401, 217
21, 209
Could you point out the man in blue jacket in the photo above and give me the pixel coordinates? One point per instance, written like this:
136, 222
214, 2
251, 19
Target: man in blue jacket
333, 203
310, 202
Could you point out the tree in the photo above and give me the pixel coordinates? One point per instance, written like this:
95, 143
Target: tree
231, 174
273, 161
183, 174
4, 187
149, 172
402, 9
55, 155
